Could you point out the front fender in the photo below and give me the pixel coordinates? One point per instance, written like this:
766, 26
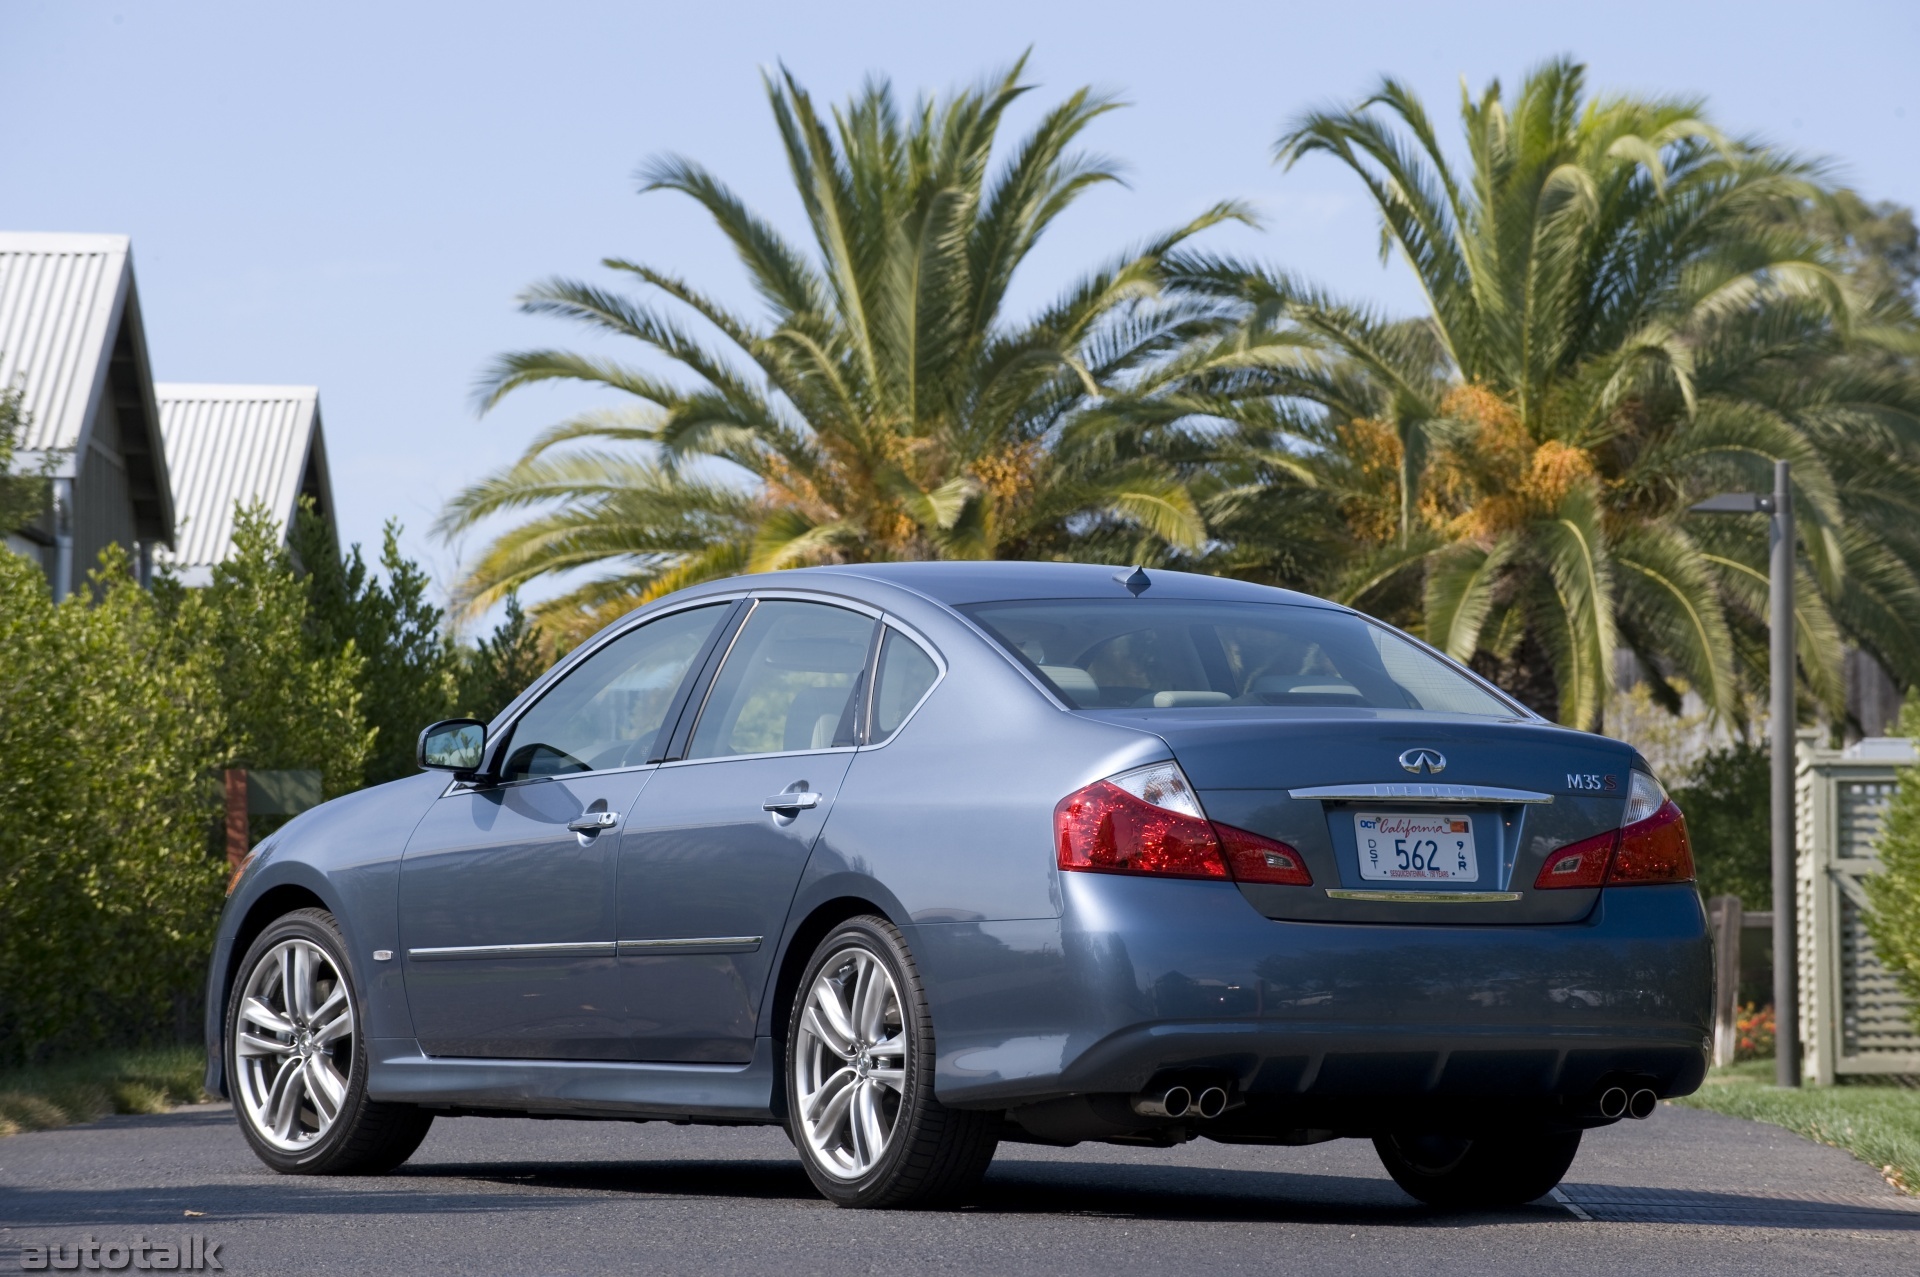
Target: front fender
345, 856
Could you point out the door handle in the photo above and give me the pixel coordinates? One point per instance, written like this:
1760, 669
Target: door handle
795, 801
593, 822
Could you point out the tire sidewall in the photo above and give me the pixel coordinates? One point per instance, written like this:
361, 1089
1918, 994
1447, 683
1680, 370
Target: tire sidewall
1494, 1172
880, 939
318, 927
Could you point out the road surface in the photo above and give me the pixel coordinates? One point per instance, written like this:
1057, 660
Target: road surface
1684, 1191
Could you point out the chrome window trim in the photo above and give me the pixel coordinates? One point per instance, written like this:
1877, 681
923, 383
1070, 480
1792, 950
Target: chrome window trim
560, 949
741, 758
1415, 792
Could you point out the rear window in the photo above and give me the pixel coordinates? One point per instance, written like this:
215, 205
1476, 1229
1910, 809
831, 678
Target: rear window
1171, 654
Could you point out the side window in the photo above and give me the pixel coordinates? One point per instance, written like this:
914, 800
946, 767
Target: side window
608, 711
906, 673
789, 683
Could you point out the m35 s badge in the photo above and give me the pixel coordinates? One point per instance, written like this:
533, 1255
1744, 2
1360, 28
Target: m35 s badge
1431, 761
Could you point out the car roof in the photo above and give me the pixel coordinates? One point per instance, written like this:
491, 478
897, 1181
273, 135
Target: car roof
959, 583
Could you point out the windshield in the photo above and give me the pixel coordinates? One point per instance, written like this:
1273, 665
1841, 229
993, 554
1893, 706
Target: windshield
1171, 654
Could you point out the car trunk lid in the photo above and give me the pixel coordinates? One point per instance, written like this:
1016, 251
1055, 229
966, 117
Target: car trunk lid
1403, 818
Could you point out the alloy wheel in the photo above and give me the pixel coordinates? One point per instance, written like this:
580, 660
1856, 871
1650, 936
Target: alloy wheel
850, 1065
293, 1045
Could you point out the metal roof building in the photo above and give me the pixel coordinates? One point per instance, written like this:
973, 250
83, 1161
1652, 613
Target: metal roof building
237, 445
72, 341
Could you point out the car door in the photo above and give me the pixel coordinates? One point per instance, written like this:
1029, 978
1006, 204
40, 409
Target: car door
709, 865
507, 889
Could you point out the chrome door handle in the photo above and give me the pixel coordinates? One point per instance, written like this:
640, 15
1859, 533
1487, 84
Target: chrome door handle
797, 801
593, 822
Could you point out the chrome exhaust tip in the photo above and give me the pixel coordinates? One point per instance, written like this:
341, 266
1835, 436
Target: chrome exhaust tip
1211, 1103
1613, 1102
1642, 1104
1174, 1101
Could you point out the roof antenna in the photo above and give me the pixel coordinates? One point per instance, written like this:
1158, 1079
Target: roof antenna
1135, 581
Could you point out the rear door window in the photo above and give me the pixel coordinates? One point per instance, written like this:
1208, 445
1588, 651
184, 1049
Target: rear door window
790, 682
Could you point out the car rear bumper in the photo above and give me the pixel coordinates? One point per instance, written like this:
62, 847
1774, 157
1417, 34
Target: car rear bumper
1143, 978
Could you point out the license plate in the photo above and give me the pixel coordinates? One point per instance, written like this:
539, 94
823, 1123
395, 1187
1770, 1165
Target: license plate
1403, 848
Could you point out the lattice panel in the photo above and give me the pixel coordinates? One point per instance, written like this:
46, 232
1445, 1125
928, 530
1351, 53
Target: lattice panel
1863, 806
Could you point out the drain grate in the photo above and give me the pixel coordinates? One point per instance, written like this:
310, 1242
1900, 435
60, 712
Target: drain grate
1609, 1203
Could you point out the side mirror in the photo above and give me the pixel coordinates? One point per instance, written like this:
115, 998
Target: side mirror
454, 745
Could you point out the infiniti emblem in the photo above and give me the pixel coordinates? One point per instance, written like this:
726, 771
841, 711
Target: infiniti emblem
1424, 760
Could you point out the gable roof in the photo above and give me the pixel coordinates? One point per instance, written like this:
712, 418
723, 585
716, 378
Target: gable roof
70, 336
239, 444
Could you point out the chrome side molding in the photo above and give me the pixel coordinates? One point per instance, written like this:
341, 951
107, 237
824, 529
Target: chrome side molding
1424, 897
580, 949
1415, 792
690, 944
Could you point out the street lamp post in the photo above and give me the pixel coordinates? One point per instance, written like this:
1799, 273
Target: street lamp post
1786, 949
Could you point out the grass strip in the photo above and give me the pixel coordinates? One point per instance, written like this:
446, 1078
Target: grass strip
1877, 1123
42, 1097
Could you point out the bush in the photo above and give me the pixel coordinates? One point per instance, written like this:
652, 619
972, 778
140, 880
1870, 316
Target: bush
118, 710
1728, 802
110, 732
1894, 922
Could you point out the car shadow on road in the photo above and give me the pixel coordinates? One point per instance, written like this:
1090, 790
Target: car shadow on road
1015, 1187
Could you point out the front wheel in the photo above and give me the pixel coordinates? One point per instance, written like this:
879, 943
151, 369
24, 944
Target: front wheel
297, 1061
860, 1079
1483, 1172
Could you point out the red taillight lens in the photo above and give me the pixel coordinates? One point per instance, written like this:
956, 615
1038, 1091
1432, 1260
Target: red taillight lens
1148, 821
1579, 864
1256, 859
1652, 848
1655, 850
1108, 830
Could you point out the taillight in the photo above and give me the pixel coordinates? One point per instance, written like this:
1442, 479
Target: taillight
1149, 821
1649, 847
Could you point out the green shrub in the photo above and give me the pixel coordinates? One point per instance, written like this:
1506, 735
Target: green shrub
110, 731
1727, 799
1894, 922
118, 710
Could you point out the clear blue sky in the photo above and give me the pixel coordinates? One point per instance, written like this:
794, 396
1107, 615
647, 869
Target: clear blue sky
351, 194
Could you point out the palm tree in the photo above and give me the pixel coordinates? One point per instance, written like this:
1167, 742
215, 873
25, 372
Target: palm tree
1626, 311
884, 406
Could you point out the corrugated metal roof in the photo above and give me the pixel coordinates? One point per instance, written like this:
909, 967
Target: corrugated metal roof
228, 444
59, 297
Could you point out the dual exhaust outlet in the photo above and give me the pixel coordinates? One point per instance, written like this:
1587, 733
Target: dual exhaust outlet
1180, 1101
1615, 1103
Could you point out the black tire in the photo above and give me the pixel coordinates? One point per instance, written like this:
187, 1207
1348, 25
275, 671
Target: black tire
935, 1154
365, 1137
1481, 1173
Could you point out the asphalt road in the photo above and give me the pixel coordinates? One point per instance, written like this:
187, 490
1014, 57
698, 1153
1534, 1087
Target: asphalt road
1683, 1191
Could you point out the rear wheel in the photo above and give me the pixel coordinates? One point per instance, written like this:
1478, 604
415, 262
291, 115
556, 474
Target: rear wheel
860, 1079
1485, 1171
297, 1060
